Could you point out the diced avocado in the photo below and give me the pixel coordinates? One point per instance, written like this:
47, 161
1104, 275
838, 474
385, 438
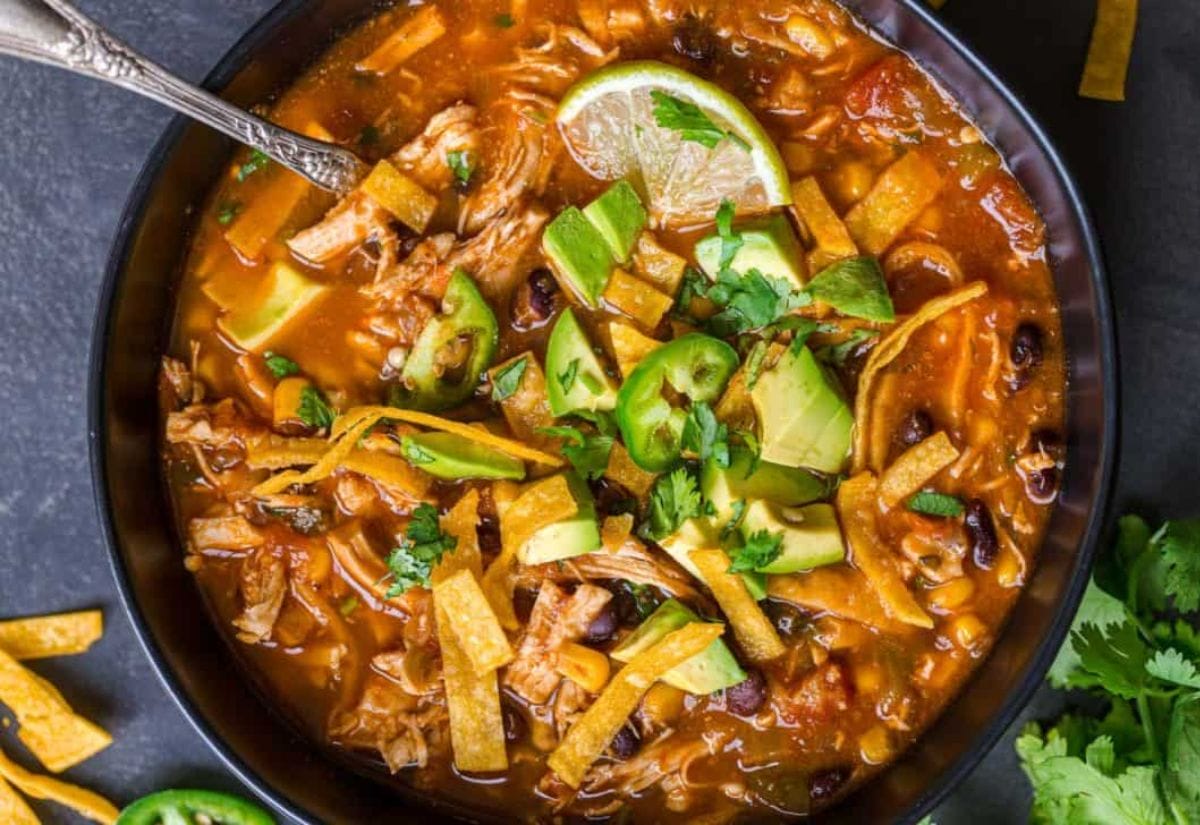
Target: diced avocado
450, 456
805, 422
579, 253
575, 378
697, 533
768, 245
811, 536
788, 486
710, 670
284, 296
620, 217
565, 539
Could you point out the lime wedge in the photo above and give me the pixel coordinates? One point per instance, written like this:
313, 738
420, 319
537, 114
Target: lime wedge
608, 122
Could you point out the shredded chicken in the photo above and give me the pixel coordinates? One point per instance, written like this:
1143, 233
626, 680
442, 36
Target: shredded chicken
556, 618
222, 533
177, 378
354, 219
564, 54
501, 255
405, 730
263, 586
670, 755
424, 157
629, 559
223, 425
569, 704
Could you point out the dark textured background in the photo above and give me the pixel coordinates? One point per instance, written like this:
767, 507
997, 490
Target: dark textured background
69, 155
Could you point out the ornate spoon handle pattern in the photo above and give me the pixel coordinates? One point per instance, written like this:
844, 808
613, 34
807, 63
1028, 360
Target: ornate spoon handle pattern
56, 33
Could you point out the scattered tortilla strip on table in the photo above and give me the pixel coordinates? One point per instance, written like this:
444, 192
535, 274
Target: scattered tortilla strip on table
753, 629
13, 809
915, 467
52, 731
61, 634
473, 622
595, 729
1110, 49
39, 786
856, 503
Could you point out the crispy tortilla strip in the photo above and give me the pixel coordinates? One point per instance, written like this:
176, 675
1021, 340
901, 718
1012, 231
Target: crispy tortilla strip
934, 256
887, 351
88, 804
839, 590
278, 454
391, 470
592, 733
400, 195
474, 622
527, 410
1110, 49
899, 195
831, 240
341, 447
630, 345
917, 466
53, 732
424, 27
623, 471
637, 299
461, 522
753, 629
657, 265
540, 504
473, 704
856, 503
63, 634
13, 809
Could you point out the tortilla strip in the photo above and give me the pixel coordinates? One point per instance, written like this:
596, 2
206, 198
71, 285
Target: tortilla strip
856, 502
424, 27
915, 467
629, 345
595, 729
282, 453
753, 629
53, 732
474, 622
899, 195
889, 349
1109, 51
342, 446
389, 469
461, 522
62, 634
13, 809
86, 803
839, 590
623, 471
829, 234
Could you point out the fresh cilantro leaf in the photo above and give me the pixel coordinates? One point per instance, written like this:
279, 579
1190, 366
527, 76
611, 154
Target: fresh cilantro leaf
1170, 666
690, 121
1179, 544
836, 355
759, 549
508, 379
227, 211
424, 544
314, 409
603, 420
694, 285
674, 499
930, 503
731, 241
1099, 609
566, 378
587, 452
504, 21
257, 160
856, 287
462, 164
1112, 658
1181, 774
750, 301
280, 365
705, 436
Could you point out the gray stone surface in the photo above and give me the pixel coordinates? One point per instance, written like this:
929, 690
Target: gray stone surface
72, 148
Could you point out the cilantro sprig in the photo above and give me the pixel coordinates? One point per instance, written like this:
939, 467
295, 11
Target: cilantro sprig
314, 409
411, 564
587, 452
674, 499
1134, 645
690, 121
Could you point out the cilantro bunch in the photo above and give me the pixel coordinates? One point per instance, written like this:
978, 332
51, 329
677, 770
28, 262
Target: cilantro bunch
1134, 645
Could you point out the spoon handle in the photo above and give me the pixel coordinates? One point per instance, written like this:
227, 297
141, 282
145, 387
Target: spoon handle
57, 33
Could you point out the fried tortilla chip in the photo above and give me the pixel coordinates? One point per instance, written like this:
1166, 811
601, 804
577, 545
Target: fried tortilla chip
88, 804
13, 809
40, 637
1110, 50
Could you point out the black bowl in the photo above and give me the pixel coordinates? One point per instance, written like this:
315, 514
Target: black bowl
312, 784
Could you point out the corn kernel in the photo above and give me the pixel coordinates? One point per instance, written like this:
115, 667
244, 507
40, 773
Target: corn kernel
953, 594
809, 36
852, 181
875, 745
585, 667
868, 678
967, 630
663, 704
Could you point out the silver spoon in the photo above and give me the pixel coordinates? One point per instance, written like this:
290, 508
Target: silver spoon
57, 33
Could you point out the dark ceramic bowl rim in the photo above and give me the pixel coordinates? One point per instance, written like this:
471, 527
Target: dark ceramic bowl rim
983, 741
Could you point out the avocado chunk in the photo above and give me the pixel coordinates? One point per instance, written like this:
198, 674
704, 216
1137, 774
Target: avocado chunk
452, 457
620, 217
697, 533
284, 297
788, 486
804, 420
575, 378
568, 538
811, 536
710, 670
768, 245
579, 253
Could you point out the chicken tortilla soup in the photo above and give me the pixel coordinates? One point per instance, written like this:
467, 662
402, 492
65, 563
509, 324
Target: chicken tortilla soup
662, 428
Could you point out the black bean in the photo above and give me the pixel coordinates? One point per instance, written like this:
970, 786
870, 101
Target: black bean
788, 619
515, 726
1042, 485
626, 743
488, 532
603, 627
984, 544
542, 289
611, 498
1026, 350
746, 697
915, 428
694, 40
823, 784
